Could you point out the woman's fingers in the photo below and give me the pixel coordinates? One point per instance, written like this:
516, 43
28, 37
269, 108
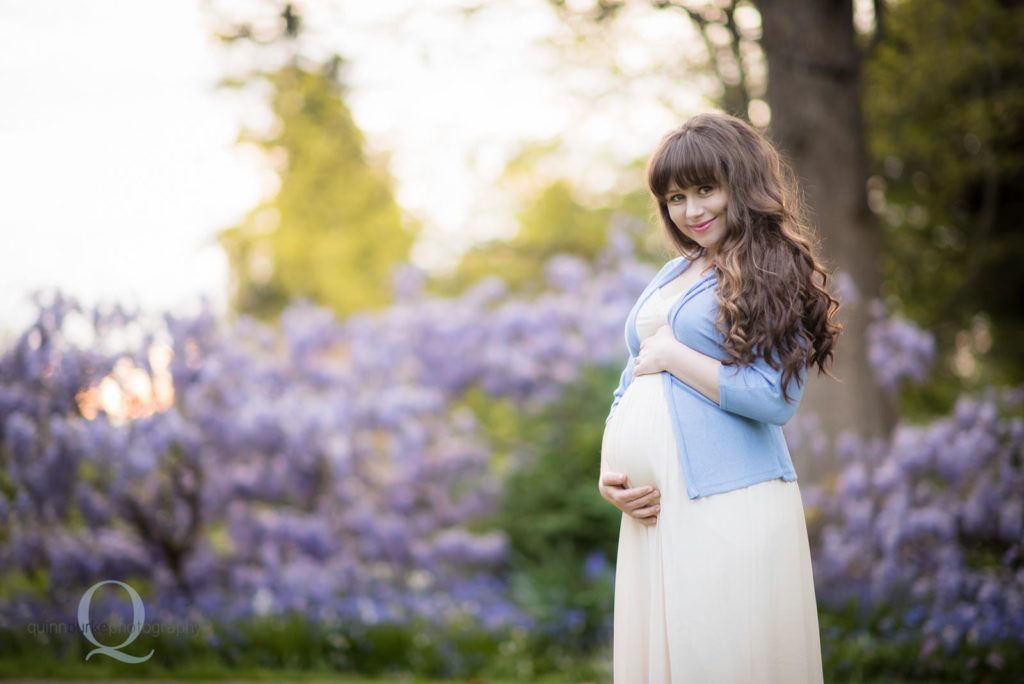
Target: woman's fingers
613, 479
639, 496
629, 495
609, 484
640, 502
647, 511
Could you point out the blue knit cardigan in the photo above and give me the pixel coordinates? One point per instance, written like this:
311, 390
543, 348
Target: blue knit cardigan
738, 441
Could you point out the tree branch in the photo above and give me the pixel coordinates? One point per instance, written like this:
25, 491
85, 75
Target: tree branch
734, 97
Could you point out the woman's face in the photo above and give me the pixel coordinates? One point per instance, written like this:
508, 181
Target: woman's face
699, 212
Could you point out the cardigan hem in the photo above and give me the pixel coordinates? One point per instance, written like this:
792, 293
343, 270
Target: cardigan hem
740, 483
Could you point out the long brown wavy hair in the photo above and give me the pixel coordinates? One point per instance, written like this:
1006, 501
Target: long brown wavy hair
771, 290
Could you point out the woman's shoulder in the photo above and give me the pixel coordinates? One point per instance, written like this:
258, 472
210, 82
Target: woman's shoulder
665, 268
671, 263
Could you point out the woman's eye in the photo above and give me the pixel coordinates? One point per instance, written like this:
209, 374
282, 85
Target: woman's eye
709, 189
674, 198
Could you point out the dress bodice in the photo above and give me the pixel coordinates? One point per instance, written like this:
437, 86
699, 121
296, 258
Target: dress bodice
654, 313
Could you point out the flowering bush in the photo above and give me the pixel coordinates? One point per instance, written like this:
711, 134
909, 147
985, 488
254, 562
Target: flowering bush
923, 534
327, 470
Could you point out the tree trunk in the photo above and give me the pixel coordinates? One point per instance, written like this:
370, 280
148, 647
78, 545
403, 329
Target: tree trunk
814, 92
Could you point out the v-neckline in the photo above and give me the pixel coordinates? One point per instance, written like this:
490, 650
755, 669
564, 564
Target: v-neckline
673, 297
668, 298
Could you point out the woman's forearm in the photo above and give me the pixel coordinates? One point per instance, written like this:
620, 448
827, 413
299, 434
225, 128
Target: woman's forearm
697, 370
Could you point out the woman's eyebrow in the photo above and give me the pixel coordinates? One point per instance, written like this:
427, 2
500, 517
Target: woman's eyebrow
698, 186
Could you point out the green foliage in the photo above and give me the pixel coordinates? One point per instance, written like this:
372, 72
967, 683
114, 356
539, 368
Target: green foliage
278, 649
944, 107
852, 652
333, 231
554, 222
290, 648
555, 517
554, 216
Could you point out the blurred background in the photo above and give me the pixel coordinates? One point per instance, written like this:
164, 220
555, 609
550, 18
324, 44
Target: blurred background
313, 313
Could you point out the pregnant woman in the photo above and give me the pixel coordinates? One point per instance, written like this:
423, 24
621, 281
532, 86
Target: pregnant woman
713, 579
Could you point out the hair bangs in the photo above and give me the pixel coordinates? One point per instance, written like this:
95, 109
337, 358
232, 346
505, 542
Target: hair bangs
686, 160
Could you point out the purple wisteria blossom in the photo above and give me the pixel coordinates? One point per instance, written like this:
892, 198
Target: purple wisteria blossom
930, 529
320, 466
899, 350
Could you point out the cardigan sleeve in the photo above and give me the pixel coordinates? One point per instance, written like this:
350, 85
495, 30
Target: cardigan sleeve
624, 379
755, 392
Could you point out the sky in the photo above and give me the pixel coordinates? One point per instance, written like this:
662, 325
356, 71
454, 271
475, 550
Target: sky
118, 160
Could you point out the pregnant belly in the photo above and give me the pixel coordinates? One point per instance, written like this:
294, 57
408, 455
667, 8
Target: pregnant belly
638, 440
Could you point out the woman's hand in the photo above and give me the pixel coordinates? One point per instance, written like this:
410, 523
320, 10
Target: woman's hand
640, 502
656, 352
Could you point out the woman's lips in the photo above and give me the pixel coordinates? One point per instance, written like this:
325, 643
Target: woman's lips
701, 227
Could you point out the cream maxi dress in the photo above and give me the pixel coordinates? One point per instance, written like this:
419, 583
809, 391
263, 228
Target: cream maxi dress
720, 588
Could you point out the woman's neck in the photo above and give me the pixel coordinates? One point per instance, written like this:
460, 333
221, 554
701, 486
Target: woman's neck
703, 261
